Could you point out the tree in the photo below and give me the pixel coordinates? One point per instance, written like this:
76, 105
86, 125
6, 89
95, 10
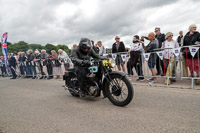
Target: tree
17, 47
36, 46
9, 43
48, 47
23, 46
63, 47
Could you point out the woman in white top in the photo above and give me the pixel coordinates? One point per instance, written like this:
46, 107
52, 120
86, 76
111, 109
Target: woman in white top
169, 44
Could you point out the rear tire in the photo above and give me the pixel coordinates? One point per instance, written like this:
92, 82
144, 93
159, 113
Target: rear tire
111, 94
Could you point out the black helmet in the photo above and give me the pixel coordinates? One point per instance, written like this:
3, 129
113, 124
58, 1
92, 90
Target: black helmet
85, 45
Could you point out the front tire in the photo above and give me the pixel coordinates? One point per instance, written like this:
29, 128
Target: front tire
115, 90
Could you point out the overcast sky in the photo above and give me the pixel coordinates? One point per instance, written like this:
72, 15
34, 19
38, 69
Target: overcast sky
66, 21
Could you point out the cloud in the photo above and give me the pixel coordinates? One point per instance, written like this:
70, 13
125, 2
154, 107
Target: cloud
66, 21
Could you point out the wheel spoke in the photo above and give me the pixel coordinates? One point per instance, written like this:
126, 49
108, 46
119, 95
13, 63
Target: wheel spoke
116, 82
124, 92
123, 89
117, 98
117, 85
121, 96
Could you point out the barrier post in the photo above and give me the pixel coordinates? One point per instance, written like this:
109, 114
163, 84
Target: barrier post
180, 65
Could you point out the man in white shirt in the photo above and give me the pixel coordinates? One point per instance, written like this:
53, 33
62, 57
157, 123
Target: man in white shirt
135, 60
64, 58
102, 49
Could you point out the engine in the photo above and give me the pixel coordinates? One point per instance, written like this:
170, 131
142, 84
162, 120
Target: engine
93, 90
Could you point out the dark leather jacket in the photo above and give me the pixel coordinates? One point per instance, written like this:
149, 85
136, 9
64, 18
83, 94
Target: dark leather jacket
191, 39
161, 39
30, 59
78, 56
12, 62
188, 41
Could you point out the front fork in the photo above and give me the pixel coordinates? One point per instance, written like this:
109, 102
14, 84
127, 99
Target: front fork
108, 80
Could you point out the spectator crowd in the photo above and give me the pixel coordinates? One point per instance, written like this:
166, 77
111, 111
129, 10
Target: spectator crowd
32, 63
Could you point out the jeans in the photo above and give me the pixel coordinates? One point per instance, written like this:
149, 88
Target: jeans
3, 70
33, 70
138, 68
28, 71
22, 69
49, 70
13, 72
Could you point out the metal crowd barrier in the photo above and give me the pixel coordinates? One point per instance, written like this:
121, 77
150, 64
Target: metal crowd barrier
145, 68
22, 66
193, 49
178, 60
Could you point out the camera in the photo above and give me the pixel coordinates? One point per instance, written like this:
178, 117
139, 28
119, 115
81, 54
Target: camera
135, 41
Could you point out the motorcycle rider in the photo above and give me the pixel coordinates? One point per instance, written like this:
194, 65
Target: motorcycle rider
81, 58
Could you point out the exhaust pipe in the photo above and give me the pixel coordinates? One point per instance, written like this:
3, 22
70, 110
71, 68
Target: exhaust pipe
70, 89
66, 88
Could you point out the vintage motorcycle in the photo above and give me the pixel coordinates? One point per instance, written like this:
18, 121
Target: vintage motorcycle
100, 78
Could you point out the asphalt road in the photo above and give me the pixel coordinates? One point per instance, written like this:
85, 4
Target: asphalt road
35, 106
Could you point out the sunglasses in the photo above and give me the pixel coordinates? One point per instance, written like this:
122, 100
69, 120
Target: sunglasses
117, 38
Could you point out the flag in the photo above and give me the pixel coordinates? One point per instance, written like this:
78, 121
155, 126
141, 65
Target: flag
193, 50
4, 50
177, 51
146, 56
114, 56
123, 57
160, 54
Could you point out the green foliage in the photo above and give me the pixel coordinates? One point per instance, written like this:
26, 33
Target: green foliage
63, 47
9, 43
36, 46
23, 46
49, 47
16, 47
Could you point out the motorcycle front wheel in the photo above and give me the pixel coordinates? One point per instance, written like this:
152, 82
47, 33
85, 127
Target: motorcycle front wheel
119, 90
